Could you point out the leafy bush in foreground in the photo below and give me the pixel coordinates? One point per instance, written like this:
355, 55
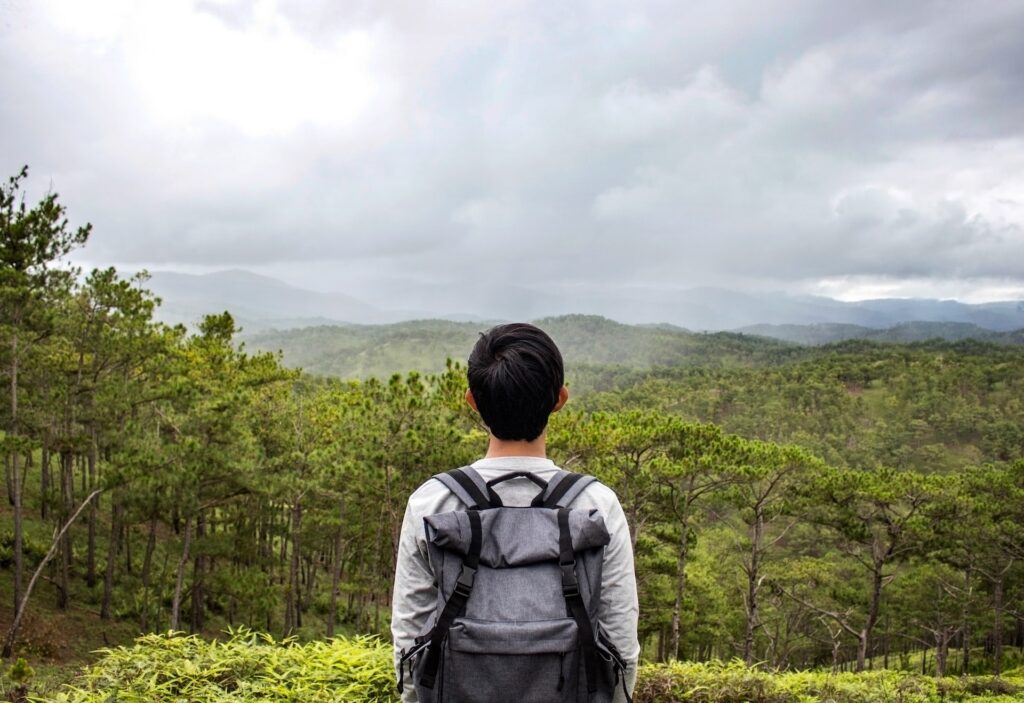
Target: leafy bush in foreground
246, 667
733, 682
255, 667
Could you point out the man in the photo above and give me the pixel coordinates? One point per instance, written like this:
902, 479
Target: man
516, 380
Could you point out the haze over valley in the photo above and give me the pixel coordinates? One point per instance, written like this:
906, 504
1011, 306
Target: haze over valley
337, 334
261, 302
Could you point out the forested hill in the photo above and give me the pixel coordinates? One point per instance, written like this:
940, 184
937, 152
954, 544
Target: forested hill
920, 331
359, 351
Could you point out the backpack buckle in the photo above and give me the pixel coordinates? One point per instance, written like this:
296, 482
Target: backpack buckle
570, 584
465, 583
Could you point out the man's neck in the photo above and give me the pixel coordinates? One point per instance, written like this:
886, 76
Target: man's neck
498, 448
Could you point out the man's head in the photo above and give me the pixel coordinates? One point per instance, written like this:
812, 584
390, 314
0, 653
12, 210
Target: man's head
516, 380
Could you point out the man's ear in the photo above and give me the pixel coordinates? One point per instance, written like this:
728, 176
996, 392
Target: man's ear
471, 400
563, 397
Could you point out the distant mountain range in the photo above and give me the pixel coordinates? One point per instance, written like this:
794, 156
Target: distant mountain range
715, 309
262, 303
359, 351
257, 302
918, 331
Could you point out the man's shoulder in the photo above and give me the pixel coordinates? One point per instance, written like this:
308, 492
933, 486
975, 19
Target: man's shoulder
429, 489
430, 497
600, 494
601, 490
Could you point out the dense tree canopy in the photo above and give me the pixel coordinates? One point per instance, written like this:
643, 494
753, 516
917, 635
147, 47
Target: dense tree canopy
844, 507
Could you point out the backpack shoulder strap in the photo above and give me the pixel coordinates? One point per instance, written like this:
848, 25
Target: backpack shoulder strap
563, 489
468, 486
573, 600
456, 603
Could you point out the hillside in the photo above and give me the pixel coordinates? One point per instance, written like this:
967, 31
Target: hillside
261, 303
356, 351
359, 351
917, 331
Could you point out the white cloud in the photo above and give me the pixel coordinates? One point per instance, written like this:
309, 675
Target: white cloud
788, 144
854, 288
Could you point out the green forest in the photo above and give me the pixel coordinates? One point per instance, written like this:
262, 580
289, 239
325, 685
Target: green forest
806, 520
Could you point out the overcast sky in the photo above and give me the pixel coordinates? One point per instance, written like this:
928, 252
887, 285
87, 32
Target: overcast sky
852, 149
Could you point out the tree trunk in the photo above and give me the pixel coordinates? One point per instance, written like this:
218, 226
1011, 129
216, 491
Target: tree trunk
965, 623
198, 578
311, 574
180, 578
112, 549
753, 584
67, 479
332, 616
90, 558
677, 606
92, 472
293, 617
126, 541
16, 496
941, 651
45, 480
283, 556
14, 489
8, 481
997, 624
378, 569
869, 624
147, 569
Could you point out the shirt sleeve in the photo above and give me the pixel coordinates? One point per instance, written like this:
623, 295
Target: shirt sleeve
414, 594
620, 610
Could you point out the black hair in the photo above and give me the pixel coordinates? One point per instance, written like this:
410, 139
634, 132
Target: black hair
515, 374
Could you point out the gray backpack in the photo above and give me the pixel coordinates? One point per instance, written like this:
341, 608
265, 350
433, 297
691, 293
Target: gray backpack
519, 592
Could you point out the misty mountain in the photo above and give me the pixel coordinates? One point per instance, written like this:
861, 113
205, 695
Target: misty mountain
358, 351
828, 333
716, 309
257, 302
262, 303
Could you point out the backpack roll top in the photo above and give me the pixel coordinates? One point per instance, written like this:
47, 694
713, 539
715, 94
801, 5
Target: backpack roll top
478, 494
515, 536
518, 599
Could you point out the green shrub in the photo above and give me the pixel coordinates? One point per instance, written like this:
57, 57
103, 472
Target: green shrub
254, 667
245, 667
717, 682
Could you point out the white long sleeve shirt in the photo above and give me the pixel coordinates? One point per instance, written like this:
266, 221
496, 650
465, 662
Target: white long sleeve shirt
415, 595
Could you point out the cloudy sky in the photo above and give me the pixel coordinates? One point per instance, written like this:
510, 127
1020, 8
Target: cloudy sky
573, 149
